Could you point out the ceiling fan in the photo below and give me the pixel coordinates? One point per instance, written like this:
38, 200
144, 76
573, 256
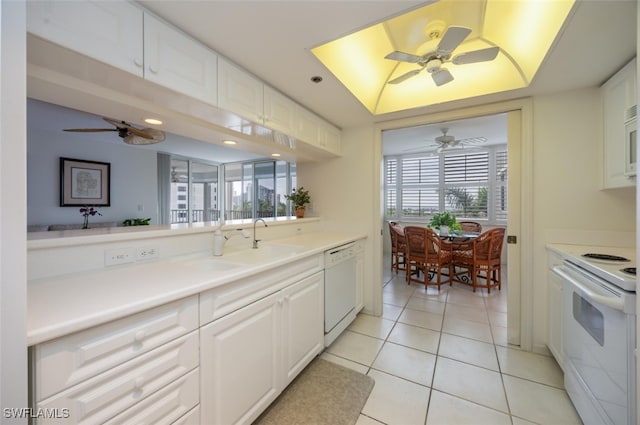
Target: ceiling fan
130, 134
446, 142
434, 60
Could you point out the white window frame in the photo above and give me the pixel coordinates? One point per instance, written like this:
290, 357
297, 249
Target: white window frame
493, 184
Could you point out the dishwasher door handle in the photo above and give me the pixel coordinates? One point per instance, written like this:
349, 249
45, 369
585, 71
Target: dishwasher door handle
341, 248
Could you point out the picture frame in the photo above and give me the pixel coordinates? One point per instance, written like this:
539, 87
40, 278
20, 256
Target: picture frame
84, 182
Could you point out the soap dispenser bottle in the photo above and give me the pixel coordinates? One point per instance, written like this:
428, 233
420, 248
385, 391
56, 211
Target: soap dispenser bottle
218, 242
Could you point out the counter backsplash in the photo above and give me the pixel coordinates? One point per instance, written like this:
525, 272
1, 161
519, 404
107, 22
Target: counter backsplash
75, 251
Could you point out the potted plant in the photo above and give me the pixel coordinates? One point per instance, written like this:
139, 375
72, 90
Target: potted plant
444, 222
299, 198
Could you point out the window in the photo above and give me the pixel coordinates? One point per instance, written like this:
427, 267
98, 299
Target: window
267, 182
472, 184
194, 188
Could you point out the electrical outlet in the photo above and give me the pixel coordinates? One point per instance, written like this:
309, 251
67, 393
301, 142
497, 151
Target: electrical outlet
147, 253
114, 257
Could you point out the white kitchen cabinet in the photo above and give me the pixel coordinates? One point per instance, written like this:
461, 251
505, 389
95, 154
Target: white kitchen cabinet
240, 92
279, 112
106, 370
250, 355
100, 398
554, 317
302, 324
110, 32
178, 62
618, 94
314, 130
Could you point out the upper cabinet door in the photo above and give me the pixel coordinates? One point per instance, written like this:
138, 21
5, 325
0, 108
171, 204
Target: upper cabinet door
110, 32
240, 92
279, 112
178, 62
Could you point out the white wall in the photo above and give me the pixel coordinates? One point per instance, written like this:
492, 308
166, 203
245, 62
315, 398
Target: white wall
568, 204
133, 177
13, 270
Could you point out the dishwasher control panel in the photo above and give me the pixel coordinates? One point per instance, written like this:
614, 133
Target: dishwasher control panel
339, 254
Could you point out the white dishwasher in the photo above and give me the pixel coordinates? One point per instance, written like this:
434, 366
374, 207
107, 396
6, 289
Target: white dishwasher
339, 290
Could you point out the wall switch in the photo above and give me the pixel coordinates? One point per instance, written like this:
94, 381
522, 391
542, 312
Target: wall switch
147, 253
114, 257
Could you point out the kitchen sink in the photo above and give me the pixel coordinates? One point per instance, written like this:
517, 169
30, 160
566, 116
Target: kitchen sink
264, 253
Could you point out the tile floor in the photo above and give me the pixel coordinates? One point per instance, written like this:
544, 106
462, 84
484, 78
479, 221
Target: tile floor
441, 358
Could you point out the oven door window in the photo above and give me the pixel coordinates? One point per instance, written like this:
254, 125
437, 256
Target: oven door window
590, 318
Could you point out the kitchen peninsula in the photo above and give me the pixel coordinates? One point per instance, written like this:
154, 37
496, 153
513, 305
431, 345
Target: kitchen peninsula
113, 342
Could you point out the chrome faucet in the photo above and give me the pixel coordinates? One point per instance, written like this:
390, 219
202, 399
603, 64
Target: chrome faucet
255, 241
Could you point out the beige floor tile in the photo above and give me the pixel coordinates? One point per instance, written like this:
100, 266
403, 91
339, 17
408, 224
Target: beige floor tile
376, 327
497, 318
467, 350
468, 329
356, 347
396, 401
407, 363
473, 314
395, 297
531, 366
415, 337
432, 293
365, 420
500, 336
424, 319
472, 383
520, 421
463, 296
447, 409
539, 403
344, 362
425, 304
391, 312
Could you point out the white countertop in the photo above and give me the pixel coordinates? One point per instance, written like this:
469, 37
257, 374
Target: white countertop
69, 303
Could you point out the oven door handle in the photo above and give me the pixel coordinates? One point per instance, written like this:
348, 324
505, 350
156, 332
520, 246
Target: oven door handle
613, 302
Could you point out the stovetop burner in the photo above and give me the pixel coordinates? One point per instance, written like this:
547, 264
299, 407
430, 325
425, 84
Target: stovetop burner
606, 257
629, 270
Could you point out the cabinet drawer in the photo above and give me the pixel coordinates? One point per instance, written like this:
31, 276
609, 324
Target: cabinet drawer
223, 300
106, 395
190, 418
166, 406
69, 360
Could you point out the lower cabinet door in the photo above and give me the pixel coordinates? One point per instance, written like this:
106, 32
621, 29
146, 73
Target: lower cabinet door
302, 324
240, 363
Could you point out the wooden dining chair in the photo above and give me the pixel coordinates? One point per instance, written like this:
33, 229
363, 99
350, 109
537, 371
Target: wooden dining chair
481, 262
466, 227
429, 255
398, 247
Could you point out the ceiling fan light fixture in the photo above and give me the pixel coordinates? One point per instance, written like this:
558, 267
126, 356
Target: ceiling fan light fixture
433, 65
441, 76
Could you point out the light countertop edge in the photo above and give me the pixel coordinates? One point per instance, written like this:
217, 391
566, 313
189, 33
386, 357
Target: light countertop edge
70, 303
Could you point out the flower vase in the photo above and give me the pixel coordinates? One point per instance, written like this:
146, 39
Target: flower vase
85, 222
444, 230
300, 212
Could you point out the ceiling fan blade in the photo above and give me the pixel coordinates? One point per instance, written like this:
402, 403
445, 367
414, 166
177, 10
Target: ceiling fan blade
403, 57
442, 76
405, 76
473, 141
452, 39
482, 55
137, 140
152, 133
89, 130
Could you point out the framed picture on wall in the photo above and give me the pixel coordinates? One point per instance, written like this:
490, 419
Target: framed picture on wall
84, 183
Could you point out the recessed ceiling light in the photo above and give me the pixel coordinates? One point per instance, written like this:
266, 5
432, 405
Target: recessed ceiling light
153, 121
229, 142
276, 155
316, 79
